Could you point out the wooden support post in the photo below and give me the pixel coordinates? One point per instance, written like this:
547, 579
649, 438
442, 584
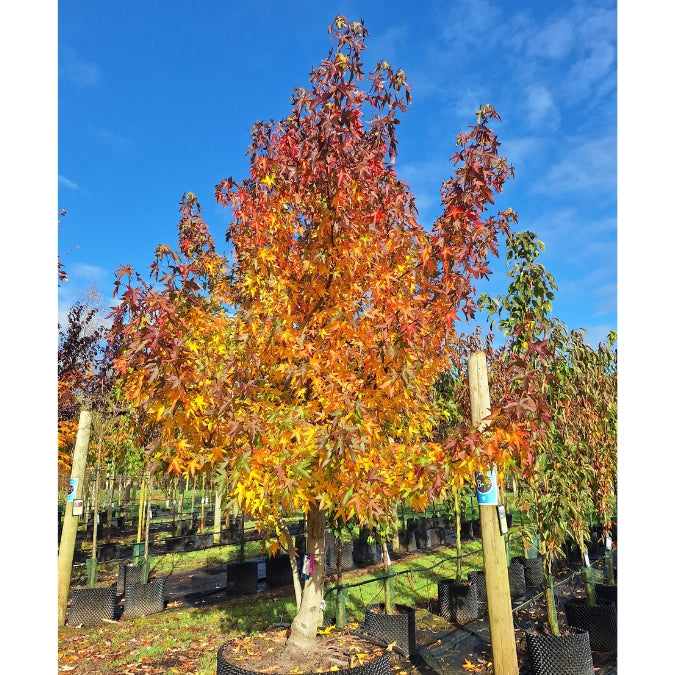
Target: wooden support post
69, 532
500, 616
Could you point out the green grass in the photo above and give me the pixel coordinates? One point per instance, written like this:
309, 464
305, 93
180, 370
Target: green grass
187, 640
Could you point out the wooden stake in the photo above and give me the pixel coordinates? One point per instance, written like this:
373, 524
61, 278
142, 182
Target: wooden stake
69, 532
500, 616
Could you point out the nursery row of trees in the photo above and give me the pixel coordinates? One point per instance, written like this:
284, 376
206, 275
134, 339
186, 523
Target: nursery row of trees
323, 368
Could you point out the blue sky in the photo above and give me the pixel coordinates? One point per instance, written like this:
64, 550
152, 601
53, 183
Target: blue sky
157, 98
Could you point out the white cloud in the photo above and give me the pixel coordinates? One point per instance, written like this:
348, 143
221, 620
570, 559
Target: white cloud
68, 183
520, 151
114, 140
588, 165
541, 107
77, 71
386, 45
551, 42
592, 71
84, 272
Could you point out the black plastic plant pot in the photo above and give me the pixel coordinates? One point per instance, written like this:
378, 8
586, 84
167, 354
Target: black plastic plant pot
436, 538
364, 554
457, 601
143, 599
466, 530
128, 574
379, 666
566, 654
346, 558
517, 585
398, 627
121, 577
407, 541
174, 544
203, 541
242, 578
92, 606
279, 572
422, 541
107, 552
534, 570
133, 575
598, 620
604, 593
478, 578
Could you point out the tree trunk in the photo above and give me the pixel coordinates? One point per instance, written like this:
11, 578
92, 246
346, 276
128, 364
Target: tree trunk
181, 502
97, 485
310, 612
111, 497
146, 551
458, 537
394, 519
217, 518
297, 588
549, 594
388, 583
141, 510
69, 531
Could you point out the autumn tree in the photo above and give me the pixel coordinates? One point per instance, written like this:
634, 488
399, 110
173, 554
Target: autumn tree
314, 357
79, 369
567, 395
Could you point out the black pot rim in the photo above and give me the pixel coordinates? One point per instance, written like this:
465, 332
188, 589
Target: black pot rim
565, 630
401, 609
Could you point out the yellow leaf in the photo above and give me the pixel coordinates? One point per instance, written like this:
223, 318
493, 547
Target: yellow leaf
325, 631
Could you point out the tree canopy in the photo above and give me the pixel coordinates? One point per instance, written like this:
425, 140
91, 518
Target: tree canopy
308, 365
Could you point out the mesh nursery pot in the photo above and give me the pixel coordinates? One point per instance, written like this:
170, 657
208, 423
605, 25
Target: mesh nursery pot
128, 574
604, 593
565, 654
379, 666
478, 578
203, 540
107, 552
517, 585
598, 620
457, 601
398, 627
91, 606
534, 570
143, 599
346, 557
174, 544
279, 572
242, 578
